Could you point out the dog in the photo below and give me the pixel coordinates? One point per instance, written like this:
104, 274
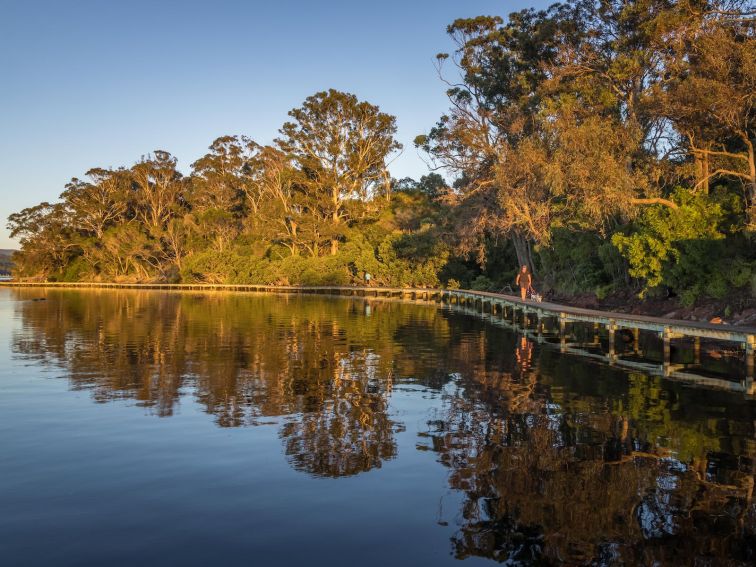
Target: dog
537, 297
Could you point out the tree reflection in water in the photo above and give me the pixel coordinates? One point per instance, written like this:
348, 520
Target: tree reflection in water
588, 480
323, 366
558, 460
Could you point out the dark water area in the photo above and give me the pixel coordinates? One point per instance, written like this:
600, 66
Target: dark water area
152, 428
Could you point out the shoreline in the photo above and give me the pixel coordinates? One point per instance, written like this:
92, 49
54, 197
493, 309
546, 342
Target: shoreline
547, 323
370, 291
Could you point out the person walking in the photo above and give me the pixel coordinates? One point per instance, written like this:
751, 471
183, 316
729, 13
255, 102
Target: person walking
367, 278
524, 280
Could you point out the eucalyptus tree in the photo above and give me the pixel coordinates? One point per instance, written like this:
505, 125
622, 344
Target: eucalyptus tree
556, 119
158, 190
341, 147
225, 189
491, 138
46, 237
284, 217
225, 176
710, 96
100, 202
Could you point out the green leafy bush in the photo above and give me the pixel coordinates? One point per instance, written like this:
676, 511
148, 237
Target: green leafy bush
678, 248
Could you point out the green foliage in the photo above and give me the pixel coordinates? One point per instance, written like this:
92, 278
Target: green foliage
574, 263
75, 271
482, 283
392, 257
603, 291
452, 284
661, 232
689, 249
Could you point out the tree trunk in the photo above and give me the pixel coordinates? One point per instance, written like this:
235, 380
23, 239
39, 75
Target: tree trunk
522, 248
751, 204
334, 240
701, 161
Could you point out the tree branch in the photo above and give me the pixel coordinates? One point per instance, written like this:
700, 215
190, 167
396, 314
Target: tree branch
654, 201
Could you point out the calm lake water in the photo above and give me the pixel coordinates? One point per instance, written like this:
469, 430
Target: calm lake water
151, 428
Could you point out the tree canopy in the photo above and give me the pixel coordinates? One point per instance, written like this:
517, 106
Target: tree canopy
608, 145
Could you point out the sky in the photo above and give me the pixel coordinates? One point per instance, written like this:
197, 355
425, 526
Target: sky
100, 83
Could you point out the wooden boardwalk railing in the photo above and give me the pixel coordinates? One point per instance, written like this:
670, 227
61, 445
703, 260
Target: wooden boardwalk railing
508, 308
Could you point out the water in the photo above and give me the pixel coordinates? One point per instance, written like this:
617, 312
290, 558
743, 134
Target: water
190, 429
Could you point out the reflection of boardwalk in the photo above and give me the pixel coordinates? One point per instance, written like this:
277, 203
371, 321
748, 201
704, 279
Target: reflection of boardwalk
559, 317
618, 345
545, 313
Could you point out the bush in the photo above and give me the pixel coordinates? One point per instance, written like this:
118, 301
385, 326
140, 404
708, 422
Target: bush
578, 262
603, 291
684, 249
481, 283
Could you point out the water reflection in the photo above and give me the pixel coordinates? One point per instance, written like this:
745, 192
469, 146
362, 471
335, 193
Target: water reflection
551, 476
245, 359
556, 460
346, 430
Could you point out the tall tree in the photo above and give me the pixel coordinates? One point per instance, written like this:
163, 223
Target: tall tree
100, 202
710, 96
225, 188
492, 137
226, 177
284, 216
158, 187
46, 237
341, 146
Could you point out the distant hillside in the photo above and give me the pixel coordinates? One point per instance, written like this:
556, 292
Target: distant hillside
5, 261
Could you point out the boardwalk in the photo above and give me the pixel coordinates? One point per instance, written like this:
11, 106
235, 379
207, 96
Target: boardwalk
545, 322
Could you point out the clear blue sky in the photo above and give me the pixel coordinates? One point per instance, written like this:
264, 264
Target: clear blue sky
100, 83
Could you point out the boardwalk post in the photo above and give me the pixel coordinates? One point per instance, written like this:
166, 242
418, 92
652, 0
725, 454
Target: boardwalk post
750, 353
562, 335
667, 347
636, 342
611, 327
697, 350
